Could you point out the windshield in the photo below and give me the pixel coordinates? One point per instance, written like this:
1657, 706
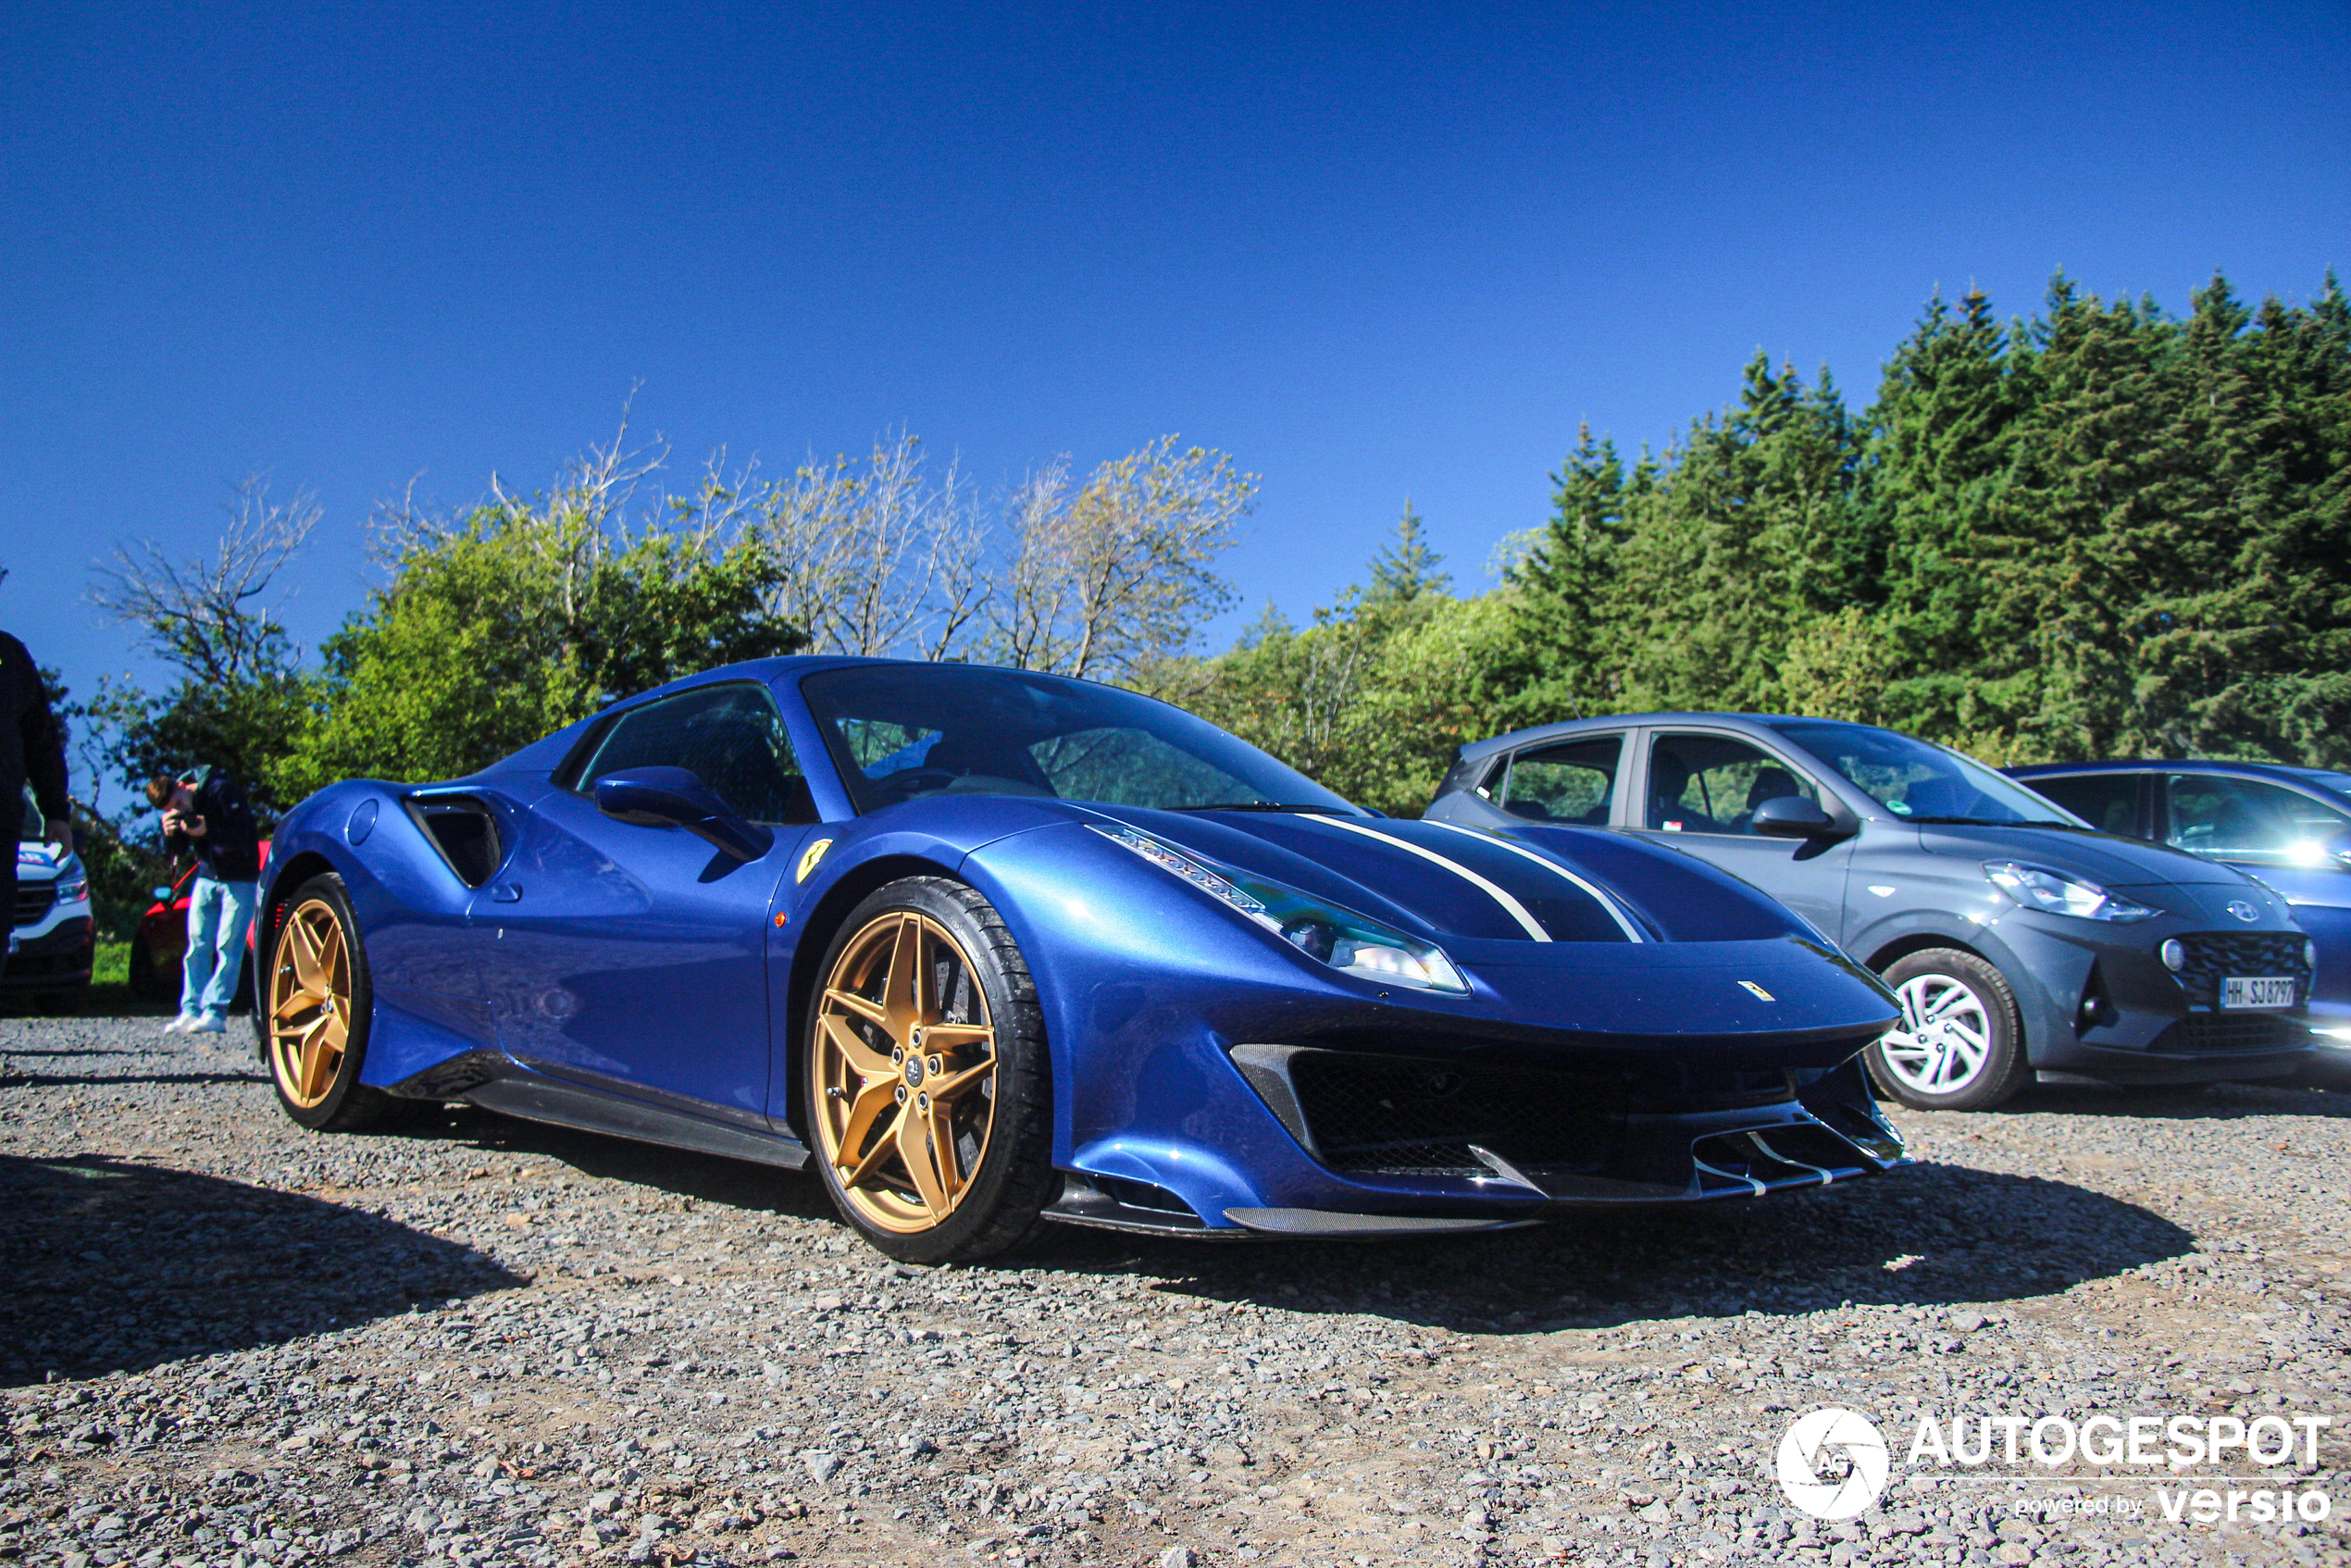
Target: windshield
902, 731
1913, 779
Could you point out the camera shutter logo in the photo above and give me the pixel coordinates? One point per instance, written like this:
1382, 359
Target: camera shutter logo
1819, 1438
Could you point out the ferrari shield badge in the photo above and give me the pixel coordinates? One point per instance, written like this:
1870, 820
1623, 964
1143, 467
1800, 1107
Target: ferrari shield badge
809, 857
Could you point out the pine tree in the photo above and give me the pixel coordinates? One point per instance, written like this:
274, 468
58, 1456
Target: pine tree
1563, 591
1409, 568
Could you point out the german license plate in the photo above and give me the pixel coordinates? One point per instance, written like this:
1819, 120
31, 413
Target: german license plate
2244, 990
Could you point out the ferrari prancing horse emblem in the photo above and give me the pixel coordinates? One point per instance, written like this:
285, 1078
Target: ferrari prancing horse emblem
809, 857
1761, 994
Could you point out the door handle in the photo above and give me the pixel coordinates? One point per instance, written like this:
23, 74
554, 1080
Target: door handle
506, 892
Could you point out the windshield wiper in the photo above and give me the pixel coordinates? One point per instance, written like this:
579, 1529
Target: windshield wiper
1997, 822
1252, 805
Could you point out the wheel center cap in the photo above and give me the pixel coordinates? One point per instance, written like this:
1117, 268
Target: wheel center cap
914, 1071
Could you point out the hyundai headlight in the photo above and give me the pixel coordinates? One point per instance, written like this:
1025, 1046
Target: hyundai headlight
2054, 892
74, 889
1345, 941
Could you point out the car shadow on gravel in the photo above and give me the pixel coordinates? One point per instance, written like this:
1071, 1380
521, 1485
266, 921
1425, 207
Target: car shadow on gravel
1932, 1235
82, 1080
112, 1263
2224, 1101
709, 1178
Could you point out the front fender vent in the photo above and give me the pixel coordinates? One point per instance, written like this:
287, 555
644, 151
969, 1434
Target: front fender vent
465, 831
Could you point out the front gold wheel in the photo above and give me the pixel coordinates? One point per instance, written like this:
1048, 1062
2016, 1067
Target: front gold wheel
904, 1070
310, 995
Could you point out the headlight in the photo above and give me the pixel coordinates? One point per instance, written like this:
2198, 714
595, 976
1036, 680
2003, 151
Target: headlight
1344, 940
75, 891
2052, 891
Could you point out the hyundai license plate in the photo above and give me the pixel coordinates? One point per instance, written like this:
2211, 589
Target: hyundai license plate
2244, 991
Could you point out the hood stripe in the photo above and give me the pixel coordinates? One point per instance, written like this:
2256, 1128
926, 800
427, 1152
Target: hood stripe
1632, 932
1500, 895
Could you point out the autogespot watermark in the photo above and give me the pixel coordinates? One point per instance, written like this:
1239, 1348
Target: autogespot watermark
1835, 1463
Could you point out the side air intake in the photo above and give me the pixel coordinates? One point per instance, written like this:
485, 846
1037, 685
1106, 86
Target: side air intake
463, 830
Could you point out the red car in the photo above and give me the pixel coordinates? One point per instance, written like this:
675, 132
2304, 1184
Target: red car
161, 942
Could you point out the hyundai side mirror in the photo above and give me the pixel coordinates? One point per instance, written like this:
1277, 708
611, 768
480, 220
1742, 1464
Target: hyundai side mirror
1791, 816
673, 797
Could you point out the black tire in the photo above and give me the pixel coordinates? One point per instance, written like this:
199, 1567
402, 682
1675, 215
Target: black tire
343, 1104
146, 981
1907, 1072
999, 1204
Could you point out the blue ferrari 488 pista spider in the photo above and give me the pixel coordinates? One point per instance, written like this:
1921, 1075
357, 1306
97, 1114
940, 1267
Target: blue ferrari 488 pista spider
989, 948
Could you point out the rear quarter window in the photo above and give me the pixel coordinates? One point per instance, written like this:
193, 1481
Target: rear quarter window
2107, 801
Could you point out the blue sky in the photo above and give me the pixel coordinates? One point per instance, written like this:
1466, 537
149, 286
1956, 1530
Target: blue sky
1367, 250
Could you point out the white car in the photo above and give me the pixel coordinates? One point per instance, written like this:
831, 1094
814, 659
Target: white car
53, 929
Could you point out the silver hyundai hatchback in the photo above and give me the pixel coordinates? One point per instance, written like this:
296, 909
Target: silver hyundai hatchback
2021, 941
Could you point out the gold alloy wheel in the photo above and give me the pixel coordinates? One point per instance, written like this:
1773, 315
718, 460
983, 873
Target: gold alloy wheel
904, 1093
309, 1003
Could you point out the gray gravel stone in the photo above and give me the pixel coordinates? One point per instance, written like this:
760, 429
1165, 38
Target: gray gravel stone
225, 1342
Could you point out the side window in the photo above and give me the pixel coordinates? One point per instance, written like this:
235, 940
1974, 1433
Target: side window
729, 737
1713, 783
1575, 782
2245, 819
2109, 800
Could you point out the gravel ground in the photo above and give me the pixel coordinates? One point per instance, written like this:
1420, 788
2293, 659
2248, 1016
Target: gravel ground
225, 1341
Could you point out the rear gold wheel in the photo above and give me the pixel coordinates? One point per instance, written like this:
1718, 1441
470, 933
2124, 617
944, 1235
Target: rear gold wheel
925, 1077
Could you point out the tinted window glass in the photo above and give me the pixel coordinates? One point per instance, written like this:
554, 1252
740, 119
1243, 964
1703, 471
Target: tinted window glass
729, 737
1913, 779
902, 731
1713, 783
2103, 800
1572, 782
2245, 819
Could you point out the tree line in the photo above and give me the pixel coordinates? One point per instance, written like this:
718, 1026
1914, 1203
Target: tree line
2099, 531
2103, 531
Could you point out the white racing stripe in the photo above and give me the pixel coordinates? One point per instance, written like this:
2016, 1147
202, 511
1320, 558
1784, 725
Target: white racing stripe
1632, 932
1500, 895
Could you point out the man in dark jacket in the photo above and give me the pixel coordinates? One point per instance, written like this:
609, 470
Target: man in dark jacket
206, 812
32, 751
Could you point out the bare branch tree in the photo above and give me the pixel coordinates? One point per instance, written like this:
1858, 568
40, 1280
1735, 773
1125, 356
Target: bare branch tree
878, 558
1114, 578
206, 615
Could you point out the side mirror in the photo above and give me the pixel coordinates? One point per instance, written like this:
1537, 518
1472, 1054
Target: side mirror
673, 797
1791, 816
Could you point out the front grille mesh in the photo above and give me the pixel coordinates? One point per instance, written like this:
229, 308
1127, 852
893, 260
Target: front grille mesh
2232, 1031
1404, 1116
34, 900
2212, 955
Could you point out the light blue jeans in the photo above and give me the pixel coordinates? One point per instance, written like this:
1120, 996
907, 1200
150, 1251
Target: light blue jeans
218, 916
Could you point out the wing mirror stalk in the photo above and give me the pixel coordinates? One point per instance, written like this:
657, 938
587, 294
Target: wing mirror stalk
673, 797
1793, 816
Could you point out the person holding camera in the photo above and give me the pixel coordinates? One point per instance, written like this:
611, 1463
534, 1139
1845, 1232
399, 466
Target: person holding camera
206, 812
